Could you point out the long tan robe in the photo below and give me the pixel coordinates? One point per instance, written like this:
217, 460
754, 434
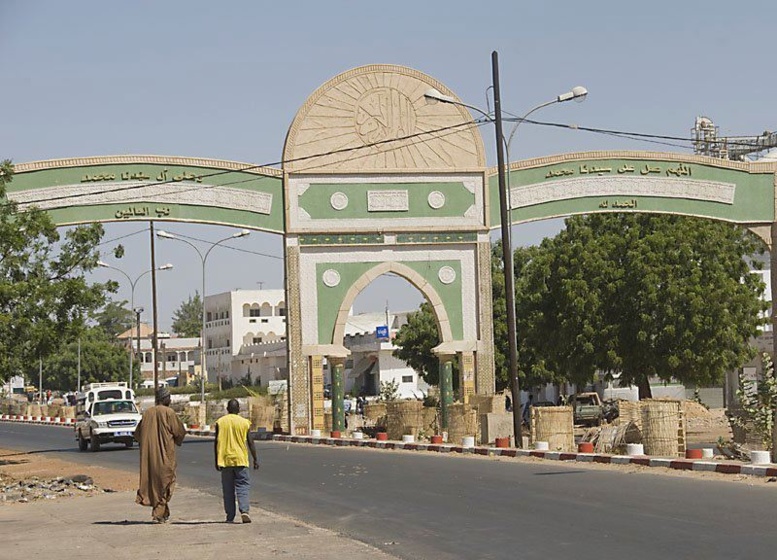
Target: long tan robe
158, 432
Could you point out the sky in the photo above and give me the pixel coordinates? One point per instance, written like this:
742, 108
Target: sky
224, 80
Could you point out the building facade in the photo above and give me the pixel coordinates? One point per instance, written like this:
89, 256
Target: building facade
237, 319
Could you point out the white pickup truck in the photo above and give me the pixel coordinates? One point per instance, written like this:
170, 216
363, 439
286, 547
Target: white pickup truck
106, 413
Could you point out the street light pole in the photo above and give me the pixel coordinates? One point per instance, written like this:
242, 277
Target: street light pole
578, 94
203, 259
133, 283
138, 311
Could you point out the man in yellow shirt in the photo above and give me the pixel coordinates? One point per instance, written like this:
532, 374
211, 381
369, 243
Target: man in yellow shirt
231, 447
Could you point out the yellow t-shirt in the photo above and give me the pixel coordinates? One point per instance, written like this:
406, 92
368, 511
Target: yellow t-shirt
231, 447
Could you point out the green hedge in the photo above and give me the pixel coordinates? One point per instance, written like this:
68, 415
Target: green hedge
233, 393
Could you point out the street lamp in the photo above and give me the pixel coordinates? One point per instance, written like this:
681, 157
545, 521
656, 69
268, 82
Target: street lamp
577, 93
133, 283
203, 257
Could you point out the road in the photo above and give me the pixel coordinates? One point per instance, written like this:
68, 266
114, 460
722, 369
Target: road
417, 505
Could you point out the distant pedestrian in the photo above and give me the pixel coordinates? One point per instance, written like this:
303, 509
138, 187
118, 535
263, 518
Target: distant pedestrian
158, 433
508, 403
527, 410
231, 447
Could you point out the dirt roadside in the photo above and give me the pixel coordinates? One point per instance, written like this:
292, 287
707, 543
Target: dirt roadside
23, 466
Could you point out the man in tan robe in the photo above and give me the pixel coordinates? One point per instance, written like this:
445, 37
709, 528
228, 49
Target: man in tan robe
157, 434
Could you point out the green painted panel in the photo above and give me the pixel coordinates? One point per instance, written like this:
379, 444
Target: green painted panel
182, 181
752, 202
315, 200
436, 237
330, 299
344, 239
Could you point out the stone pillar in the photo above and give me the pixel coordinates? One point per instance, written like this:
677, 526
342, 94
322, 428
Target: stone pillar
485, 375
446, 387
337, 367
317, 390
300, 397
773, 283
466, 375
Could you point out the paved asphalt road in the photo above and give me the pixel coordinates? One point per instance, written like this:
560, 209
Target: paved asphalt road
417, 505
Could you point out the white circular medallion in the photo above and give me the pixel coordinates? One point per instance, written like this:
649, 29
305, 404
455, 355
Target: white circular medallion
446, 275
331, 277
338, 200
436, 199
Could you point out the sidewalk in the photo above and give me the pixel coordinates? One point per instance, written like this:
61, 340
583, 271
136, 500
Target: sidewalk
111, 526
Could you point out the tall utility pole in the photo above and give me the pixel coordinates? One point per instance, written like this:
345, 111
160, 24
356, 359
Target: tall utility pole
507, 255
154, 340
138, 311
78, 383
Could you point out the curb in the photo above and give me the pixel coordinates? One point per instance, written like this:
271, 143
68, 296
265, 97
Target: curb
723, 467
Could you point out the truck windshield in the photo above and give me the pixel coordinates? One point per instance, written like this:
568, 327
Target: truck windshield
114, 407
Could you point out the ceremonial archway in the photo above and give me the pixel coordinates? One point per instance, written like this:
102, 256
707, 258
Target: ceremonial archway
377, 179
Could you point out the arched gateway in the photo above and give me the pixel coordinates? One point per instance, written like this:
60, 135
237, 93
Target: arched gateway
379, 179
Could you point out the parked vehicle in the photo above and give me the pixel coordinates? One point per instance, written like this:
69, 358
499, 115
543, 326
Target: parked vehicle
587, 409
106, 413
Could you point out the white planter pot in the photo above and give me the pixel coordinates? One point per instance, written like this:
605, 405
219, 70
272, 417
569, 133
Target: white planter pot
315, 433
634, 449
760, 457
468, 441
541, 445
409, 438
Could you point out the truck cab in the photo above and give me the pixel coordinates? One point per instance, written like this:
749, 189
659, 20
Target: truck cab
106, 413
587, 409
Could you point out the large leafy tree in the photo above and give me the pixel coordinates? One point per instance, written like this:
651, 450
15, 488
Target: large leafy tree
115, 318
187, 319
101, 360
415, 341
44, 296
642, 295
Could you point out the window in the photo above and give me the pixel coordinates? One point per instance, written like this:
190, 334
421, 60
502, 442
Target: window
407, 379
265, 320
172, 358
254, 313
209, 316
252, 320
257, 340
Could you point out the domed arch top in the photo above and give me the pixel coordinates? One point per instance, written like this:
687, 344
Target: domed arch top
376, 118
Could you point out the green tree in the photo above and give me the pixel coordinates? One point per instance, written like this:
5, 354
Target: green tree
101, 360
115, 318
187, 319
44, 296
415, 341
644, 295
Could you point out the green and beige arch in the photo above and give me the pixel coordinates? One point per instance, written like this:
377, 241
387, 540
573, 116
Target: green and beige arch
377, 179
380, 180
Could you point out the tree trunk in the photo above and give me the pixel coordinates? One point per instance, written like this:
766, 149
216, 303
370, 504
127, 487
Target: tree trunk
644, 388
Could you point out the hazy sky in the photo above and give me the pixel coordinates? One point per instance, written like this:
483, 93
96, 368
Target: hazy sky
225, 79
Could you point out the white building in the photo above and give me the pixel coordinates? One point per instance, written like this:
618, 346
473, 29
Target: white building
241, 318
177, 357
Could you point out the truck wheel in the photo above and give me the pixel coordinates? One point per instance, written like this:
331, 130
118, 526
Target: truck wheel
94, 443
128, 444
82, 443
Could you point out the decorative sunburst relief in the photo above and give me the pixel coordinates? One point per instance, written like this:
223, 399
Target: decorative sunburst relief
377, 118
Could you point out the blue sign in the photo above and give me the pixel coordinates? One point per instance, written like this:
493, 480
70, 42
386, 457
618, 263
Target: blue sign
382, 332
